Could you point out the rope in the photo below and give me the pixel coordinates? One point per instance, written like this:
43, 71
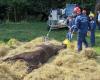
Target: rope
48, 32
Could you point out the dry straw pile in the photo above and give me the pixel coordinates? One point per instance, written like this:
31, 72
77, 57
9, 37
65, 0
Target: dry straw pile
67, 65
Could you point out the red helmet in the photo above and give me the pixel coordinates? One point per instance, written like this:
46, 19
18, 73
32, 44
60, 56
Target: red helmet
77, 10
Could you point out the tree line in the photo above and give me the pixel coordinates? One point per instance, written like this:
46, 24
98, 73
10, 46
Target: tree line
18, 10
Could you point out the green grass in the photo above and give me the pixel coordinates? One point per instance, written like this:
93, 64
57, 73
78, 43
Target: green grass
27, 31
97, 47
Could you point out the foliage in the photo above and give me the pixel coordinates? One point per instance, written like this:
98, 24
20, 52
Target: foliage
16, 10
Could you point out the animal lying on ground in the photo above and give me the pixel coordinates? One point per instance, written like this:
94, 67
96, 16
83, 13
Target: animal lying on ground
38, 56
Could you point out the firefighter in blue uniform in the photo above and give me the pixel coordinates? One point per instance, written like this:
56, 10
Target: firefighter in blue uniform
82, 24
70, 23
92, 29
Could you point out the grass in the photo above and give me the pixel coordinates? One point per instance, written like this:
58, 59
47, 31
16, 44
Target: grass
97, 47
27, 31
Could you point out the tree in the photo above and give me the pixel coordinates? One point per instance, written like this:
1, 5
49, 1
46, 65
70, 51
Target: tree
17, 10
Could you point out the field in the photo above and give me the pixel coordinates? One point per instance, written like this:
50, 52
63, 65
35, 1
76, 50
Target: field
17, 38
25, 31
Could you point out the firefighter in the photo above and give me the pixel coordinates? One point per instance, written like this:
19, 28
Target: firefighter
82, 24
84, 12
70, 23
92, 29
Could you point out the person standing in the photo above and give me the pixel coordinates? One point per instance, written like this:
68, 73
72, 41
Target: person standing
70, 23
82, 24
99, 20
92, 29
84, 12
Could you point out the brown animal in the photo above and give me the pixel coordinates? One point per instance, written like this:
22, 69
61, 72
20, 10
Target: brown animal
41, 55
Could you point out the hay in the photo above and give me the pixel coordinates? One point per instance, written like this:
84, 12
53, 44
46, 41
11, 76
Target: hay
67, 65
55, 42
29, 46
6, 74
18, 68
67, 58
47, 72
26, 47
4, 49
2, 43
89, 53
14, 43
52, 72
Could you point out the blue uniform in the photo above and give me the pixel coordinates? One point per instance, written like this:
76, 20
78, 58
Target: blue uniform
69, 35
70, 22
92, 29
82, 24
